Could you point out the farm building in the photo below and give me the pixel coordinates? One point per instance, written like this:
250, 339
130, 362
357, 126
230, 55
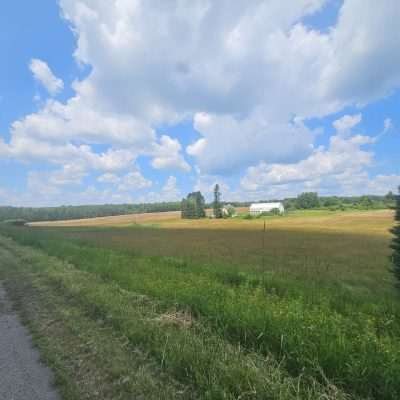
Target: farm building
258, 208
228, 211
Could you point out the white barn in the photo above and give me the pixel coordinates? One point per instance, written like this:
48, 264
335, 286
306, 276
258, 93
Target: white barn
258, 208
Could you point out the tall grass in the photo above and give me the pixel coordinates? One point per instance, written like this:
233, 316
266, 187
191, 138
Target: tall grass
192, 353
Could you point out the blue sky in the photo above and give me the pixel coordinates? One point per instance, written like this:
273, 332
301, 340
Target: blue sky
110, 102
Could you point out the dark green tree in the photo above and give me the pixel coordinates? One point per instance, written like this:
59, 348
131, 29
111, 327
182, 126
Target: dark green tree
184, 208
396, 239
390, 196
331, 201
199, 205
193, 206
389, 199
365, 202
217, 206
307, 200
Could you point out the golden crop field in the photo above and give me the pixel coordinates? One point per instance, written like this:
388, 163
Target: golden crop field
117, 220
360, 222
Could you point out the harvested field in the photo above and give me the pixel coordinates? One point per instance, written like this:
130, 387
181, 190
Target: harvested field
117, 220
166, 217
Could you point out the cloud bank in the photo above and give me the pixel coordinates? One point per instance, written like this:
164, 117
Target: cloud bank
248, 75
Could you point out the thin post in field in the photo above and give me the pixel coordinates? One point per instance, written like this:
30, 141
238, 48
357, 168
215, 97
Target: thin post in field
263, 246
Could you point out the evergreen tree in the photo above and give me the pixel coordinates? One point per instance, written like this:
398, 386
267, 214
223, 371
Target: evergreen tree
396, 239
217, 207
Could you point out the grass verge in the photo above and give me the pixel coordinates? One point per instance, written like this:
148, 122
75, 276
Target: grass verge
107, 342
90, 360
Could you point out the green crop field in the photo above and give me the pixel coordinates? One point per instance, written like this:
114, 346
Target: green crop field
212, 309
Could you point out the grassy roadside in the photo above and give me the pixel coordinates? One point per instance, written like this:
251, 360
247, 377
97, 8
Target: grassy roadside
90, 360
106, 342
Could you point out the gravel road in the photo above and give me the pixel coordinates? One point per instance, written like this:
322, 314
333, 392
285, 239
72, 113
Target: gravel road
22, 375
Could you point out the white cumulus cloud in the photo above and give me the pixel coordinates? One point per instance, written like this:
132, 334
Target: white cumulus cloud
347, 122
43, 74
132, 181
169, 192
109, 178
167, 155
339, 168
248, 74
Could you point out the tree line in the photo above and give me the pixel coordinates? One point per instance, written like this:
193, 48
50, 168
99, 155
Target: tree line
311, 200
84, 211
193, 206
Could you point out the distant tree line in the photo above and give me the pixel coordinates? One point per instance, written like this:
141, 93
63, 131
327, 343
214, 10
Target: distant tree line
77, 212
192, 207
311, 200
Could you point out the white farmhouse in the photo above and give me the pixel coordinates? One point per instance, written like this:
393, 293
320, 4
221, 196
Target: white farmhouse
229, 211
258, 208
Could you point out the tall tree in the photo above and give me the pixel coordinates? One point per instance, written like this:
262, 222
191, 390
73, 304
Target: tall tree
193, 206
396, 239
217, 207
184, 208
365, 202
307, 200
200, 205
390, 196
389, 199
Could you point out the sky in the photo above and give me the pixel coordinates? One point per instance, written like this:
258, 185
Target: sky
120, 101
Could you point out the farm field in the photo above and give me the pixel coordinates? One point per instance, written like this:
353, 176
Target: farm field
299, 244
124, 220
216, 308
117, 220
351, 221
